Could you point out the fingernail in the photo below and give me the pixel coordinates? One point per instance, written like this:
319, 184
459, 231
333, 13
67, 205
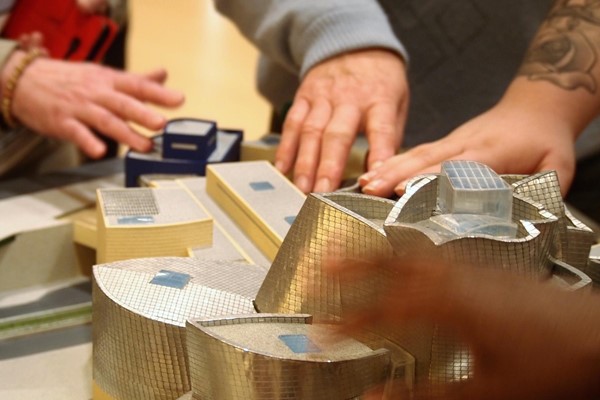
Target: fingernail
279, 165
303, 184
365, 178
323, 185
376, 165
372, 186
400, 189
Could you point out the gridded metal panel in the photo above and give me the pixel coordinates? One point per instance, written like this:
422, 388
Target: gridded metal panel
139, 319
244, 358
129, 202
538, 237
163, 205
139, 328
423, 197
527, 253
544, 189
451, 359
472, 175
323, 229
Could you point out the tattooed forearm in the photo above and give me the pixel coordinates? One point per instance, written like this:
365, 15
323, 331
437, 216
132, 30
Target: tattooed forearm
566, 48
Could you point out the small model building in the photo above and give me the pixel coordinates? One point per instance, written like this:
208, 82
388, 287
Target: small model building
185, 148
247, 192
237, 345
140, 310
350, 225
145, 222
270, 357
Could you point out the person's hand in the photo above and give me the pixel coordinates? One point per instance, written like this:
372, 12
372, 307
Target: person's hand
530, 340
67, 100
508, 138
363, 90
532, 129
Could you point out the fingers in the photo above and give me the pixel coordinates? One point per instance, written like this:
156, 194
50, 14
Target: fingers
290, 137
384, 125
338, 138
77, 133
130, 109
324, 137
393, 175
147, 90
112, 126
310, 144
158, 75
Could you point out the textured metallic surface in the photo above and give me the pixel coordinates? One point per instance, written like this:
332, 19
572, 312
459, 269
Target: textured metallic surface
139, 346
165, 205
139, 327
143, 222
129, 202
345, 225
336, 225
243, 358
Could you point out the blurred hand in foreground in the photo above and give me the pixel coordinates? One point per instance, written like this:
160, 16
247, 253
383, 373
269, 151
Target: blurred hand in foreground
530, 340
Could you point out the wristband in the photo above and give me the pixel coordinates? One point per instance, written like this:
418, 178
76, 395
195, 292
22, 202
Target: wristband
9, 89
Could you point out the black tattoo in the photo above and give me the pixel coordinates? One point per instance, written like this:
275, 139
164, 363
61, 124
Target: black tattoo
565, 50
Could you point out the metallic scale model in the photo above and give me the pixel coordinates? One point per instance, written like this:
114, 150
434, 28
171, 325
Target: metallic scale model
271, 351
149, 222
279, 356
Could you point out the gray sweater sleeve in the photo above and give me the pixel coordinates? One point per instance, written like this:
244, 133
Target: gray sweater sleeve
297, 34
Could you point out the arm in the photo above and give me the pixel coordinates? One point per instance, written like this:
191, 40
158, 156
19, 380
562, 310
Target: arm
299, 35
534, 126
353, 78
521, 332
68, 100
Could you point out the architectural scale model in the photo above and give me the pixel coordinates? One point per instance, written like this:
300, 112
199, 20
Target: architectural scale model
146, 222
246, 195
250, 336
287, 355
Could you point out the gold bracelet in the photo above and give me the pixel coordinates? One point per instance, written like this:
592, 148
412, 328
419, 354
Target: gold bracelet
9, 89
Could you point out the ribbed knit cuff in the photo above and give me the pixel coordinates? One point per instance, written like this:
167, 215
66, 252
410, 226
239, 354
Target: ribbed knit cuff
342, 30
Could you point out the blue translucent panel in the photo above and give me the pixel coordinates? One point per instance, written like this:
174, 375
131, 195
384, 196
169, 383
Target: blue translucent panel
299, 344
261, 185
171, 279
135, 220
290, 219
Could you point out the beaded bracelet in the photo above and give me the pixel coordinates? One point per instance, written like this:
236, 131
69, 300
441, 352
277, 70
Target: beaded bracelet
9, 89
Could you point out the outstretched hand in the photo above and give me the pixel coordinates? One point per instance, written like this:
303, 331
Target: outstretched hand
508, 138
362, 90
522, 333
69, 100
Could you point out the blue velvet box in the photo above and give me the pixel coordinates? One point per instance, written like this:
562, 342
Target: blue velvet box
228, 145
189, 139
